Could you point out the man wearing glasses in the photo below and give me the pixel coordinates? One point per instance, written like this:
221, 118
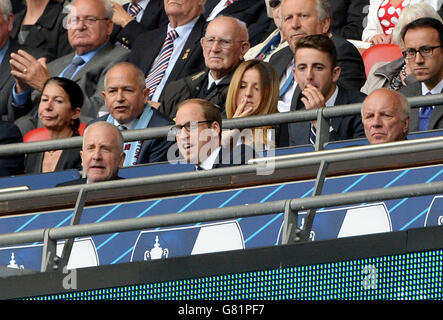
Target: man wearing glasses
89, 27
224, 46
423, 40
198, 131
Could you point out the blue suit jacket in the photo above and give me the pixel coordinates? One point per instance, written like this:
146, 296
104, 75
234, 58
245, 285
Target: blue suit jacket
13, 165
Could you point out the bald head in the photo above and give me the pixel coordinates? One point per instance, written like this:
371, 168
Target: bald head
385, 116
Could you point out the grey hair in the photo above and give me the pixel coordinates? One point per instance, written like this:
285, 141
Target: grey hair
6, 7
411, 13
138, 73
323, 9
405, 105
241, 25
120, 139
109, 12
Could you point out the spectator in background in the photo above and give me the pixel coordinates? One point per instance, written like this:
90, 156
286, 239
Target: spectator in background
383, 16
275, 41
423, 41
10, 165
253, 91
396, 74
89, 28
136, 17
42, 24
224, 45
7, 47
347, 18
174, 49
59, 111
102, 154
385, 116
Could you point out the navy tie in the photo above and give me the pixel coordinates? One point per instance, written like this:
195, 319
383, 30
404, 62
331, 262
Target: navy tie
312, 135
424, 116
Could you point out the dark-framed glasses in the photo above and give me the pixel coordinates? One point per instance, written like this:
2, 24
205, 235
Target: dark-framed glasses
425, 51
274, 3
223, 43
188, 126
88, 21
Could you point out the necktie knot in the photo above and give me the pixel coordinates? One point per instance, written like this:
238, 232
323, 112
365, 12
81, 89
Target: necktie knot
76, 62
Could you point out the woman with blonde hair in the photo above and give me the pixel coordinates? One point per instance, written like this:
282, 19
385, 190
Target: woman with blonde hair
254, 90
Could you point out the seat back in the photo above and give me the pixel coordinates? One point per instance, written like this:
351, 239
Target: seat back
380, 53
42, 133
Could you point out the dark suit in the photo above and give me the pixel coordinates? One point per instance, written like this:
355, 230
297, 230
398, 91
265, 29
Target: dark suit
347, 18
190, 60
90, 78
251, 12
79, 181
12, 165
7, 80
226, 157
349, 127
193, 87
153, 17
152, 150
352, 75
48, 33
436, 120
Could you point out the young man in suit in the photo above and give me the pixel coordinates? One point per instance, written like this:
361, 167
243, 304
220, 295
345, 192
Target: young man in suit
423, 40
224, 46
126, 99
89, 27
316, 73
182, 33
198, 133
385, 116
102, 154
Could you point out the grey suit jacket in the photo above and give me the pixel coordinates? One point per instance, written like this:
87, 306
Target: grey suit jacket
90, 78
436, 121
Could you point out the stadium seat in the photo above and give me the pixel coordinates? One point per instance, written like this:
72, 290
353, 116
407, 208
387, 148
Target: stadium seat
42, 133
379, 53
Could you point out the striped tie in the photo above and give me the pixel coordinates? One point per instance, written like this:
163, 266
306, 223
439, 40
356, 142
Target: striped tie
312, 135
229, 2
161, 64
134, 9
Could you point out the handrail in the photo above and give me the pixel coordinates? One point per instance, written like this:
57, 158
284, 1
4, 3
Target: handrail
245, 122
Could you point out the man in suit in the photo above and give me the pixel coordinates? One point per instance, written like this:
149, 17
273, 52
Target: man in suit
385, 116
102, 154
174, 49
224, 46
89, 27
126, 98
316, 72
251, 12
136, 17
423, 40
11, 165
8, 46
306, 17
348, 16
198, 134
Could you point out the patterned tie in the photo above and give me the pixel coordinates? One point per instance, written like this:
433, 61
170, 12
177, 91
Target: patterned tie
76, 62
229, 2
312, 135
424, 116
161, 64
133, 9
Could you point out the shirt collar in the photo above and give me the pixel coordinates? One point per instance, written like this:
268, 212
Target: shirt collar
331, 100
208, 163
436, 90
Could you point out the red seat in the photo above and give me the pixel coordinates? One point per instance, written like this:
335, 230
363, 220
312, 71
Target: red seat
42, 133
379, 53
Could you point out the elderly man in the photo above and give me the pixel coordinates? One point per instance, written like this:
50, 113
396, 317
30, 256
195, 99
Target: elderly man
423, 41
89, 27
385, 116
198, 132
8, 46
224, 46
126, 99
316, 72
305, 17
102, 154
174, 49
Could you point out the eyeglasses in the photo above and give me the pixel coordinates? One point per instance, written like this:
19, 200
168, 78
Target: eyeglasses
88, 21
177, 129
425, 51
274, 3
224, 43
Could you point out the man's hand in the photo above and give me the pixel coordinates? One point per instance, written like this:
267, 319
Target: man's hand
381, 38
28, 71
312, 99
120, 17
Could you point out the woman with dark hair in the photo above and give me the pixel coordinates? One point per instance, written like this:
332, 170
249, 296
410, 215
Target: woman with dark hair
254, 90
59, 112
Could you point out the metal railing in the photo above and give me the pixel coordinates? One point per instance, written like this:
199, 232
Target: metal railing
321, 115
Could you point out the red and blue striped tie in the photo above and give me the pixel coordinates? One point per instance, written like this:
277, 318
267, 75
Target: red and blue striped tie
161, 64
134, 8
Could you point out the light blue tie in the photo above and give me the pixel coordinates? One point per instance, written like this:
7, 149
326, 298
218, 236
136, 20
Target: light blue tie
287, 84
76, 62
